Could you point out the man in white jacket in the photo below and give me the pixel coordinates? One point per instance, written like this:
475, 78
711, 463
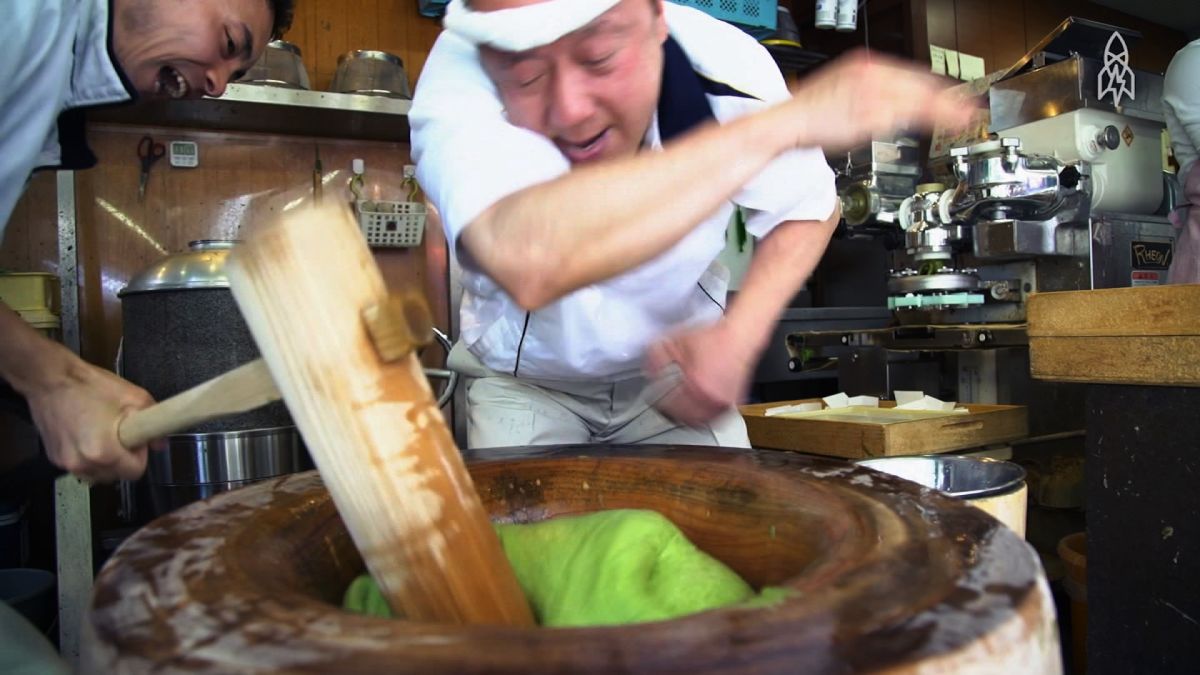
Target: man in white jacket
58, 57
585, 157
1181, 106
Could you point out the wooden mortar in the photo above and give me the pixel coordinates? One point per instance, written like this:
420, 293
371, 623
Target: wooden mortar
886, 577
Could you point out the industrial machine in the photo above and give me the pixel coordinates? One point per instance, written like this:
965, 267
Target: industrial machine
1063, 197
875, 180
1063, 193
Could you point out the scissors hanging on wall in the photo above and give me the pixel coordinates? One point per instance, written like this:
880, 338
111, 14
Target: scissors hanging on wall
148, 152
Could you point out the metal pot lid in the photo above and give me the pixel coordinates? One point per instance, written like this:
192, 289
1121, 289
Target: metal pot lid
201, 266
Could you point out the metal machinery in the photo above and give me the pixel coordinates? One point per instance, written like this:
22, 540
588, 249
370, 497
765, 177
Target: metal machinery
875, 180
872, 181
1061, 195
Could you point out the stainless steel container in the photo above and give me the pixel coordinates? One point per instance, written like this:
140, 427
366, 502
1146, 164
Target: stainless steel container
182, 327
370, 72
279, 66
994, 486
198, 466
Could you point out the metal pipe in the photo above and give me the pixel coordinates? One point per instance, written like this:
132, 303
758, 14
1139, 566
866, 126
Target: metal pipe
1046, 438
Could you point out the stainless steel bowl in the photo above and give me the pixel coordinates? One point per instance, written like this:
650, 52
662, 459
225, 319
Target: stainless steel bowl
374, 73
963, 477
279, 66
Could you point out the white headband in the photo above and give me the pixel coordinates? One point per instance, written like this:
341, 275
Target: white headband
523, 28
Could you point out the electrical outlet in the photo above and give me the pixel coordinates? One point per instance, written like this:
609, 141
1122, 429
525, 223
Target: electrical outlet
410, 171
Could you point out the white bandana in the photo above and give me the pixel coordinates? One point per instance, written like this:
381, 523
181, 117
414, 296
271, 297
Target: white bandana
523, 28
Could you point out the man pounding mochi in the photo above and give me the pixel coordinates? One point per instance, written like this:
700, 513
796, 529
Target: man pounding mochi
585, 157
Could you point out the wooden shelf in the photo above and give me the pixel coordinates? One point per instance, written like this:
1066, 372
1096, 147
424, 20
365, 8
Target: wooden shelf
1142, 335
256, 108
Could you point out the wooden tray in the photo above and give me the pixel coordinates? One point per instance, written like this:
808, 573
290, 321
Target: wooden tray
915, 433
1145, 335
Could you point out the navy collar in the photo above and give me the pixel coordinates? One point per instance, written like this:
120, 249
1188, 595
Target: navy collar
682, 104
683, 98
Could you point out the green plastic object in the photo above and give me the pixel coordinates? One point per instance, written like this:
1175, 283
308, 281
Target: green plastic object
940, 301
604, 568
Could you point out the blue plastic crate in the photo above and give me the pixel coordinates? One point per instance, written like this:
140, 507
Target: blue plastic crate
747, 13
752, 14
432, 8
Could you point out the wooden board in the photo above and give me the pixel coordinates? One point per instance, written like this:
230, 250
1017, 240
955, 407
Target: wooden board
1134, 312
921, 435
1147, 335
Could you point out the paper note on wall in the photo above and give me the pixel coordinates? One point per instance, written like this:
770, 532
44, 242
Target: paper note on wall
937, 59
952, 63
970, 66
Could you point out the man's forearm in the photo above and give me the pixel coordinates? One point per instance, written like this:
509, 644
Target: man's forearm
599, 221
782, 262
591, 224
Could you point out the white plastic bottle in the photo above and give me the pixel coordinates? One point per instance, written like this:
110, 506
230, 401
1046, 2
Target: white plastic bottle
847, 15
826, 13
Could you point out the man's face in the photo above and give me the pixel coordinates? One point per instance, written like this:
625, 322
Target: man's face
188, 48
592, 92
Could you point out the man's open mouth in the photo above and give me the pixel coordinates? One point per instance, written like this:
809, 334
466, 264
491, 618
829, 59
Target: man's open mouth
587, 144
586, 150
172, 83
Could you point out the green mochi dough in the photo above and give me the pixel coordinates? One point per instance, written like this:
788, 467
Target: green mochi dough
615, 567
603, 568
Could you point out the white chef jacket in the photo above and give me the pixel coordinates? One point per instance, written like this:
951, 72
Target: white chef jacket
54, 57
469, 157
1181, 105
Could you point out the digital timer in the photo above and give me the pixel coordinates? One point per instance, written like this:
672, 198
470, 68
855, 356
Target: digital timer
184, 154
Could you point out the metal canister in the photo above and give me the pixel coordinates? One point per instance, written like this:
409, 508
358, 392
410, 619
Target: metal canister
182, 327
370, 72
279, 66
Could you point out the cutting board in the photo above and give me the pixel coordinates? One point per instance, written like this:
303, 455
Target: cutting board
1145, 335
857, 433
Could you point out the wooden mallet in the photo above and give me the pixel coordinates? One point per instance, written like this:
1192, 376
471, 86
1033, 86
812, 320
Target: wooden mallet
341, 353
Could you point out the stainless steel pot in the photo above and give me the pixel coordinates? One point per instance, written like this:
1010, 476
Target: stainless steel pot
279, 66
198, 466
182, 327
370, 72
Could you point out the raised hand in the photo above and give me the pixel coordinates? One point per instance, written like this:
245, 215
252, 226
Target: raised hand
862, 95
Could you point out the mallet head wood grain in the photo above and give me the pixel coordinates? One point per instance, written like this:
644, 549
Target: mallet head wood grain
370, 421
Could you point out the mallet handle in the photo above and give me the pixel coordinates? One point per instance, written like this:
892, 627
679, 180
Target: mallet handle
246, 387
